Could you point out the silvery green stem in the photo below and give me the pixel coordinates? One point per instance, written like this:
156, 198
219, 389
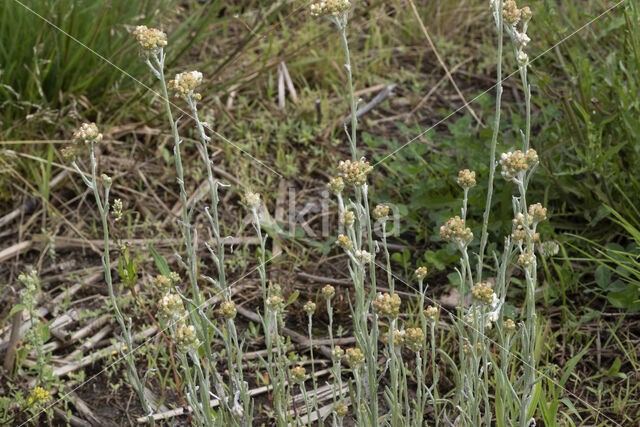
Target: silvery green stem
103, 210
494, 141
352, 97
313, 367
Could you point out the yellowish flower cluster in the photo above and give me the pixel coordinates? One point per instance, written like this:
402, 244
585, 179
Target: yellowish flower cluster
354, 172
150, 40
386, 305
344, 242
483, 293
513, 163
381, 212
185, 338
432, 313
421, 273
363, 256
171, 308
298, 374
309, 307
510, 12
87, 133
341, 409
184, 85
347, 218
526, 260
467, 179
398, 337
354, 357
336, 185
228, 310
328, 291
455, 230
39, 397
329, 7
251, 200
509, 326
537, 212
275, 303
414, 339
337, 353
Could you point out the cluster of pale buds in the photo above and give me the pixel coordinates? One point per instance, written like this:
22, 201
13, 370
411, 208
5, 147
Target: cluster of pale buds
467, 179
228, 310
184, 85
354, 357
329, 7
431, 313
421, 273
171, 308
150, 40
275, 303
362, 256
186, 339
337, 353
526, 259
328, 292
164, 283
344, 242
398, 337
251, 200
116, 210
386, 305
298, 374
537, 212
455, 230
87, 133
483, 293
336, 185
549, 249
309, 307
354, 172
516, 162
476, 313
414, 339
347, 218
509, 326
381, 212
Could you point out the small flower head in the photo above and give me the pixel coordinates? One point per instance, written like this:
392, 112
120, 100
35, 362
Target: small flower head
150, 40
509, 326
510, 12
526, 260
329, 7
421, 273
526, 14
174, 277
275, 303
537, 212
523, 58
549, 249
354, 172
251, 200
344, 242
347, 218
336, 185
517, 162
467, 179
455, 230
70, 152
117, 210
398, 337
162, 283
228, 310
309, 307
386, 305
38, 397
185, 339
107, 181
363, 256
87, 133
184, 85
328, 292
381, 212
414, 339
522, 39
483, 293
341, 409
171, 308
468, 348
432, 313
354, 357
298, 374
337, 353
